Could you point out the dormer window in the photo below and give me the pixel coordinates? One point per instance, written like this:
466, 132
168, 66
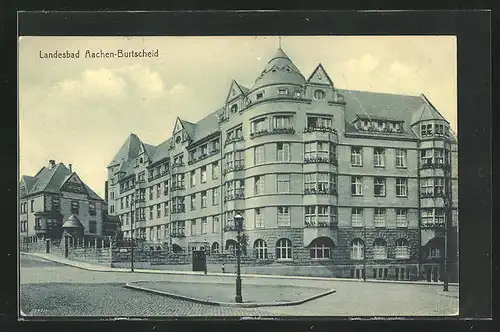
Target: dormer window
287, 69
440, 129
282, 91
426, 130
141, 160
178, 139
260, 95
319, 94
234, 108
204, 150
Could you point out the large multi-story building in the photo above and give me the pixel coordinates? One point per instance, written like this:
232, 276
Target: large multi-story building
50, 197
361, 181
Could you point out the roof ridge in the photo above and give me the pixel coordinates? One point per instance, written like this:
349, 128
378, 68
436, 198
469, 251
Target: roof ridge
376, 92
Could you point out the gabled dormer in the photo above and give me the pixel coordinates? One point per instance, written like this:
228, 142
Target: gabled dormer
320, 77
74, 184
373, 124
427, 122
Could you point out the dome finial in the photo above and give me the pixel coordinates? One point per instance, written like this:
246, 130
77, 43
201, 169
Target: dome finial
279, 41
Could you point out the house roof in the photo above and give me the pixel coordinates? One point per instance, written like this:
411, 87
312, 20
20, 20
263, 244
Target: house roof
161, 151
28, 181
189, 127
129, 149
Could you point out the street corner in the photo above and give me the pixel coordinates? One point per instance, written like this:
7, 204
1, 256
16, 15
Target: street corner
223, 294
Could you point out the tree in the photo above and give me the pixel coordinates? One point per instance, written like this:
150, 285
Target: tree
244, 243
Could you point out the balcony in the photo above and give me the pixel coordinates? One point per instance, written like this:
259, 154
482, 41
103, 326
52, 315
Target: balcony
320, 191
321, 222
177, 233
233, 140
204, 156
236, 194
434, 194
236, 166
312, 129
157, 176
435, 165
180, 209
284, 130
259, 133
332, 159
432, 225
178, 187
122, 190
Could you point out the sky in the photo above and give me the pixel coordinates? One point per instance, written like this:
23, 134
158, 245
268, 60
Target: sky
80, 111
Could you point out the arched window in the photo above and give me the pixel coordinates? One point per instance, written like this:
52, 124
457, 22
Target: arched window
231, 247
402, 248
284, 249
357, 249
321, 248
260, 248
215, 248
319, 94
176, 248
234, 108
379, 249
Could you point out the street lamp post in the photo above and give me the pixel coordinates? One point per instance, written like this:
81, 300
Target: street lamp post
238, 223
131, 238
364, 251
448, 203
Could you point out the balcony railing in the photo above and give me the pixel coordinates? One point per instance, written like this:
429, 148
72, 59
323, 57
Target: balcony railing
320, 191
204, 156
236, 166
321, 222
179, 209
311, 129
177, 233
435, 165
432, 194
259, 133
432, 225
236, 194
284, 130
157, 176
332, 159
178, 187
233, 140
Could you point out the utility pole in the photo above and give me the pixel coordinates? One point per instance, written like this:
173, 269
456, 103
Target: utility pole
364, 251
131, 238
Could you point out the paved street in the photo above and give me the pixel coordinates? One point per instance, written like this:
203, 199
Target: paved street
52, 289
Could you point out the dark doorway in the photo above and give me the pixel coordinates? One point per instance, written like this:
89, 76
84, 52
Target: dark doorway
199, 260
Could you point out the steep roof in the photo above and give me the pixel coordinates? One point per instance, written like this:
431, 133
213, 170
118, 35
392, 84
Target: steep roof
128, 150
206, 126
162, 151
427, 112
279, 70
28, 181
150, 150
189, 127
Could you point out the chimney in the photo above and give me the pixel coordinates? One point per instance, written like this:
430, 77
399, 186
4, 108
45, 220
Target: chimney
106, 191
70, 167
52, 163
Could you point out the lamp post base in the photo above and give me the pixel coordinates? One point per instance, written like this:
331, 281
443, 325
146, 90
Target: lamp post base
238, 298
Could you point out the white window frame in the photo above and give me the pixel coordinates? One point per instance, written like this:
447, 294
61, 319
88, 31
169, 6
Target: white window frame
357, 183
283, 154
259, 154
215, 170
259, 185
282, 121
260, 247
284, 249
379, 217
400, 158
379, 182
203, 174
204, 199
357, 219
203, 225
401, 187
259, 218
379, 157
401, 217
283, 183
192, 178
284, 216
402, 250
215, 196
357, 249
380, 249
356, 156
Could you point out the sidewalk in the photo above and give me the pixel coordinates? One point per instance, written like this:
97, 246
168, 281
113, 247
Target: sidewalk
100, 268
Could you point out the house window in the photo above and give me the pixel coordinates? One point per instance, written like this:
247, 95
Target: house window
282, 122
193, 202
435, 252
215, 224
319, 94
260, 248
356, 156
259, 185
357, 249
400, 158
259, 154
439, 156
320, 248
379, 217
215, 196
203, 199
439, 186
283, 183
204, 150
126, 201
283, 151
56, 204
379, 157
401, 218
357, 217
284, 249
158, 232
317, 122
215, 248
150, 193
356, 186
427, 186
259, 218
75, 207
150, 213
215, 170
379, 187
259, 125
158, 190
402, 251
192, 178
401, 187
165, 209
158, 211
204, 225
282, 91
260, 95
440, 129
283, 216
234, 108
92, 226
426, 130
165, 188
379, 249
193, 227
203, 174
426, 156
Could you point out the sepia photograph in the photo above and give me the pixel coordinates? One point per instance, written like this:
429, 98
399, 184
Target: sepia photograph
238, 176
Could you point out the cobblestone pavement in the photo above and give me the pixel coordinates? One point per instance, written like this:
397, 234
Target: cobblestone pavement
52, 289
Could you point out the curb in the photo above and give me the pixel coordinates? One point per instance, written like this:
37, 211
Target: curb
227, 304
94, 268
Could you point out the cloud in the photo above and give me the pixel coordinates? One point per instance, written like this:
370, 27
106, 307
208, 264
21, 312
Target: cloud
178, 89
399, 70
142, 79
101, 82
366, 64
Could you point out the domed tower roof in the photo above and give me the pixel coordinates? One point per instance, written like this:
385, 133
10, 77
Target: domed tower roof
279, 70
72, 222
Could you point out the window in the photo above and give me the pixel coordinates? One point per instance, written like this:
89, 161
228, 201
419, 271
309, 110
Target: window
401, 187
75, 207
283, 216
310, 182
215, 170
284, 249
259, 125
215, 224
320, 248
400, 158
401, 218
158, 190
282, 91
283, 151
357, 186
165, 209
126, 201
150, 213
260, 248
204, 150
426, 130
92, 208
435, 252
215, 248
150, 193
158, 211
439, 156
92, 226
379, 249
215, 196
426, 156
402, 249
319, 123
193, 227
55, 201
379, 157
259, 185
282, 122
357, 217
439, 186
158, 232
192, 178
234, 108
259, 218
283, 183
357, 249
440, 129
379, 217
193, 202
204, 225
204, 199
260, 95
356, 156
165, 188
379, 187
259, 154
